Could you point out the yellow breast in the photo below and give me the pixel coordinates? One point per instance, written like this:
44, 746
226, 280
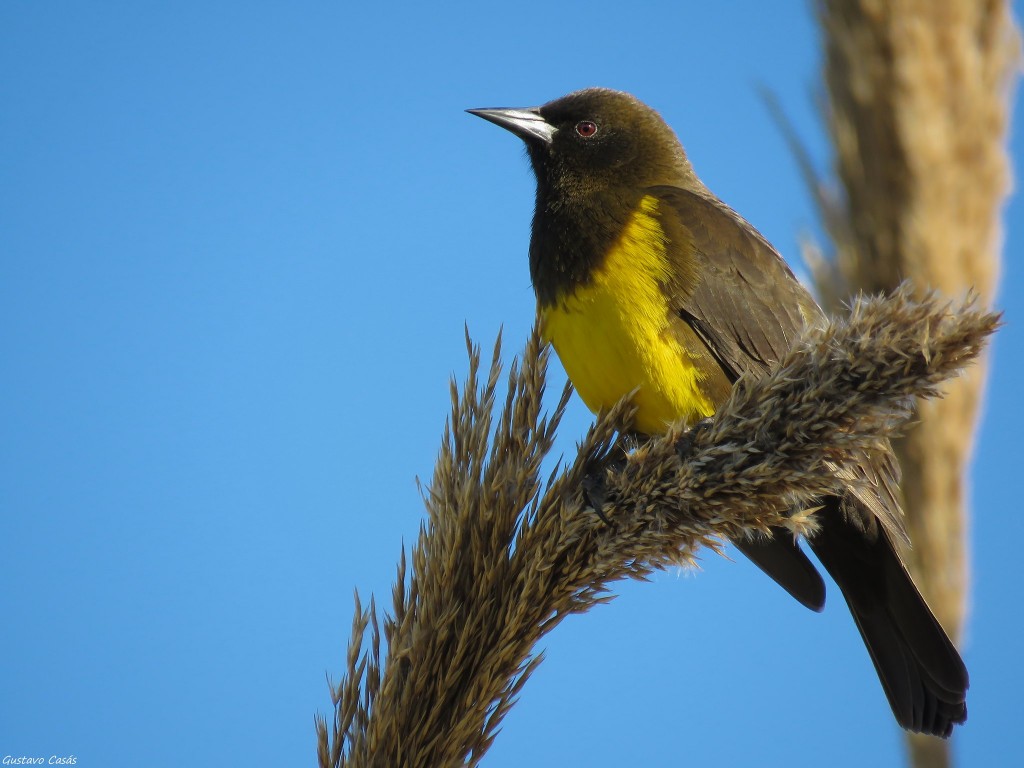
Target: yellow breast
613, 335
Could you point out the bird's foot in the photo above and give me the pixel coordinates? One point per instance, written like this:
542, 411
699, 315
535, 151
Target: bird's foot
684, 445
595, 482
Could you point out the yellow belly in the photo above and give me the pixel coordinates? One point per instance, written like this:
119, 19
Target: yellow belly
614, 335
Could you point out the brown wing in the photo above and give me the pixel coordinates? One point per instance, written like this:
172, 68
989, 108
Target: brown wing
739, 296
744, 303
735, 290
730, 286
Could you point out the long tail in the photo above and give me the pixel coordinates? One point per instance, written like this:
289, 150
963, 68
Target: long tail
780, 557
921, 671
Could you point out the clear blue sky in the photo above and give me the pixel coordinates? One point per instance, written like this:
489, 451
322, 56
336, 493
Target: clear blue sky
238, 244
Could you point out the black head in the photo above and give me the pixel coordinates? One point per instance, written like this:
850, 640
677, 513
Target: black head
596, 139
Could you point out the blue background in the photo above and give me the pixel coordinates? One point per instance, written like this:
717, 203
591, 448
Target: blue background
238, 244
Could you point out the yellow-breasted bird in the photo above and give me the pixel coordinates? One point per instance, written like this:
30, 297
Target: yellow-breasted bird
645, 280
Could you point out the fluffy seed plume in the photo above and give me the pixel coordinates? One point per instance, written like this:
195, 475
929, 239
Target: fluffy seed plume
506, 554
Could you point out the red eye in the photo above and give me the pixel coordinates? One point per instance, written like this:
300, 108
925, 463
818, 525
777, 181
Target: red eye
586, 128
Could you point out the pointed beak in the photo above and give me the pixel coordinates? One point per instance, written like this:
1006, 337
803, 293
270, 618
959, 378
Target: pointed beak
525, 123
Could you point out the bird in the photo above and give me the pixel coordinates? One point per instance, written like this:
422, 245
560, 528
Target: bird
646, 282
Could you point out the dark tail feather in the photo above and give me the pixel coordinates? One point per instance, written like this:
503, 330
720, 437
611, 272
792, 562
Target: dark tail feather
921, 671
781, 558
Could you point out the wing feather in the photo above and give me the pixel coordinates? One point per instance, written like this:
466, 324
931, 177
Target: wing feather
740, 297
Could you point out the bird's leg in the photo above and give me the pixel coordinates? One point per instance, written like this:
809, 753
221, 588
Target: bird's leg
594, 481
684, 445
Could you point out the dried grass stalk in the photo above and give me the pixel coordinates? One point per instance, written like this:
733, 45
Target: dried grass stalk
506, 554
918, 111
